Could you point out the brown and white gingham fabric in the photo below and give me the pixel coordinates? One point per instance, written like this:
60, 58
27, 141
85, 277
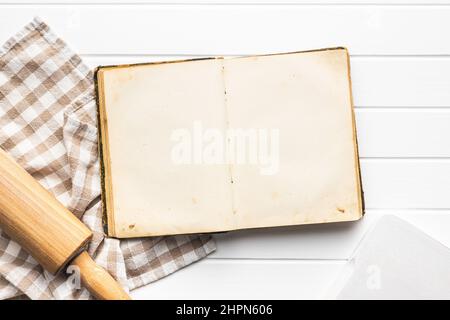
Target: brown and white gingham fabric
48, 124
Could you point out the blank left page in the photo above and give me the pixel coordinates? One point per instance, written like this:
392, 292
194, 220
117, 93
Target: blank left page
148, 107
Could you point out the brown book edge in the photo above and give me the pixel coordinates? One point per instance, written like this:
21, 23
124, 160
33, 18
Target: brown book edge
103, 141
107, 220
362, 207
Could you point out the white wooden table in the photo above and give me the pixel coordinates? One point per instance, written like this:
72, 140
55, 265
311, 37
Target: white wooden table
400, 56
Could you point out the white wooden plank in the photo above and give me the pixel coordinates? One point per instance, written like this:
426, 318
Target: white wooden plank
245, 279
377, 81
422, 133
403, 133
225, 29
401, 81
397, 184
334, 241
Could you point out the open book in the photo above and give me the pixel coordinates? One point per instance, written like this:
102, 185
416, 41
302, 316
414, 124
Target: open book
218, 144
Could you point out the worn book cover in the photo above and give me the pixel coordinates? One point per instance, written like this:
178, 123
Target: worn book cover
218, 144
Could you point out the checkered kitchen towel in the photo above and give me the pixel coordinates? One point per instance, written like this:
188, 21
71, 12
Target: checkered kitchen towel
48, 124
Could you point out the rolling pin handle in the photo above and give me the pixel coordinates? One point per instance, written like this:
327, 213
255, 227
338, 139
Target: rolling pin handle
97, 280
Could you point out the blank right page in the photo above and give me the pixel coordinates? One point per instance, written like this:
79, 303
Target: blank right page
302, 167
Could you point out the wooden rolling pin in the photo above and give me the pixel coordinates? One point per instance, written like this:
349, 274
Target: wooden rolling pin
34, 218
